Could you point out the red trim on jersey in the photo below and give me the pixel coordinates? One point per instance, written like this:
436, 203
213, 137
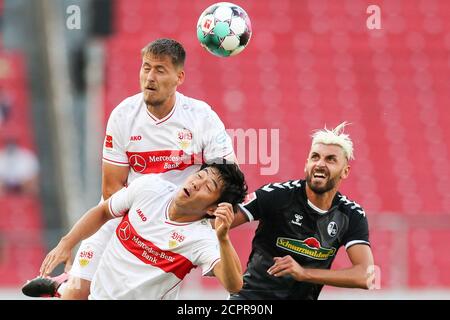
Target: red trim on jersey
168, 221
151, 116
151, 254
121, 214
228, 154
115, 161
111, 209
160, 161
173, 287
159, 121
211, 266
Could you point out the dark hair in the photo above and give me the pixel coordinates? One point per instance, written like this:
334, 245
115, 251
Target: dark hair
234, 186
166, 47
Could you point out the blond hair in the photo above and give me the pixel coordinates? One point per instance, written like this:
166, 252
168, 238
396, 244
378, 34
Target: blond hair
335, 136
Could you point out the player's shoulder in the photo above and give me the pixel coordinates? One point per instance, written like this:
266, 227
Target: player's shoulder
205, 226
203, 231
280, 191
153, 183
283, 187
194, 106
127, 106
350, 207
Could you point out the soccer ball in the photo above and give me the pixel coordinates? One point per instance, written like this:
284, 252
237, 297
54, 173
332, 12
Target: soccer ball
224, 29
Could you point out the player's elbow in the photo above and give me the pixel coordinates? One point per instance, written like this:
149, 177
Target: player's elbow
362, 283
108, 191
235, 286
363, 279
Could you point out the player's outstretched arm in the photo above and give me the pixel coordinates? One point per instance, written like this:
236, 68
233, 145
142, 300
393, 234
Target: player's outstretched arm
228, 270
113, 178
360, 275
88, 224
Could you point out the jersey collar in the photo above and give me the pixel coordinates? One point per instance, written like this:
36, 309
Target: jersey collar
174, 223
316, 209
167, 117
319, 211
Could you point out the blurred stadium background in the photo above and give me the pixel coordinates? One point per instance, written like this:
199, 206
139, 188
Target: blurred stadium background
309, 63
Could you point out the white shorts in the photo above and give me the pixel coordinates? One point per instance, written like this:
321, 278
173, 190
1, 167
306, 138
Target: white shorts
91, 250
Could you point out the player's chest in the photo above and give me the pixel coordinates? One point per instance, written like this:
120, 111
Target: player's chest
309, 235
161, 233
173, 135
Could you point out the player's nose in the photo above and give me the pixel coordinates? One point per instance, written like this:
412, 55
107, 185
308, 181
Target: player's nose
320, 163
151, 75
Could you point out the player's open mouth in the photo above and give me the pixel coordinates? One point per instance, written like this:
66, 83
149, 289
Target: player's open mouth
186, 192
319, 175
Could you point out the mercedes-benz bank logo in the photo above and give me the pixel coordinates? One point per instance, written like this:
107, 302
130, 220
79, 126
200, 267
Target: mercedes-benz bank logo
138, 163
124, 231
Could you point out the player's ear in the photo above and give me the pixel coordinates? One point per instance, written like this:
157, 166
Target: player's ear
211, 209
345, 172
181, 75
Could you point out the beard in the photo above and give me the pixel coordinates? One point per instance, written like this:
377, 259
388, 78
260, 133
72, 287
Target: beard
329, 185
152, 101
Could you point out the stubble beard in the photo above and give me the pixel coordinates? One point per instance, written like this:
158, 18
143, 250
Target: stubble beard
329, 185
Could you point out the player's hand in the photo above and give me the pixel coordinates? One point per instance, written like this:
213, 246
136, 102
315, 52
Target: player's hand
61, 253
287, 265
224, 217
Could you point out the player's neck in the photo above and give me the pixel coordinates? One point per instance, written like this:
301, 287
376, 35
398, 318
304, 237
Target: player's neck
322, 201
179, 214
162, 110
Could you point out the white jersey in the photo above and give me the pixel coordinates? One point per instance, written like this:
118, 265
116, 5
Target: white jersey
174, 146
149, 255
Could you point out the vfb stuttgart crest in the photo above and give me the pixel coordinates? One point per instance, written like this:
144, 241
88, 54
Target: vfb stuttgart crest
175, 239
184, 138
85, 256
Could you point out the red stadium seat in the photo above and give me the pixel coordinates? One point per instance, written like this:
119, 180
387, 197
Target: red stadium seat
391, 84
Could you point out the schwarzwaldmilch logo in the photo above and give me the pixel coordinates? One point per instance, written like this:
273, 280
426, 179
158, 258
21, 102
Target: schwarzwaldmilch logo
310, 247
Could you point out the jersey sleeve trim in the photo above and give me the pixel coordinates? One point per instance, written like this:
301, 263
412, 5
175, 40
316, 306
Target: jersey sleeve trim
208, 272
246, 212
111, 209
353, 242
228, 154
117, 163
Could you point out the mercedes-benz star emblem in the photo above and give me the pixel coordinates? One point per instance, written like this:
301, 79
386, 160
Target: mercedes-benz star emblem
124, 231
138, 163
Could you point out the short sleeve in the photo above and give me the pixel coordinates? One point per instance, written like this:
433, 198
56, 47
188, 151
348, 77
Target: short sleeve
206, 254
114, 145
261, 203
121, 201
216, 141
358, 230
